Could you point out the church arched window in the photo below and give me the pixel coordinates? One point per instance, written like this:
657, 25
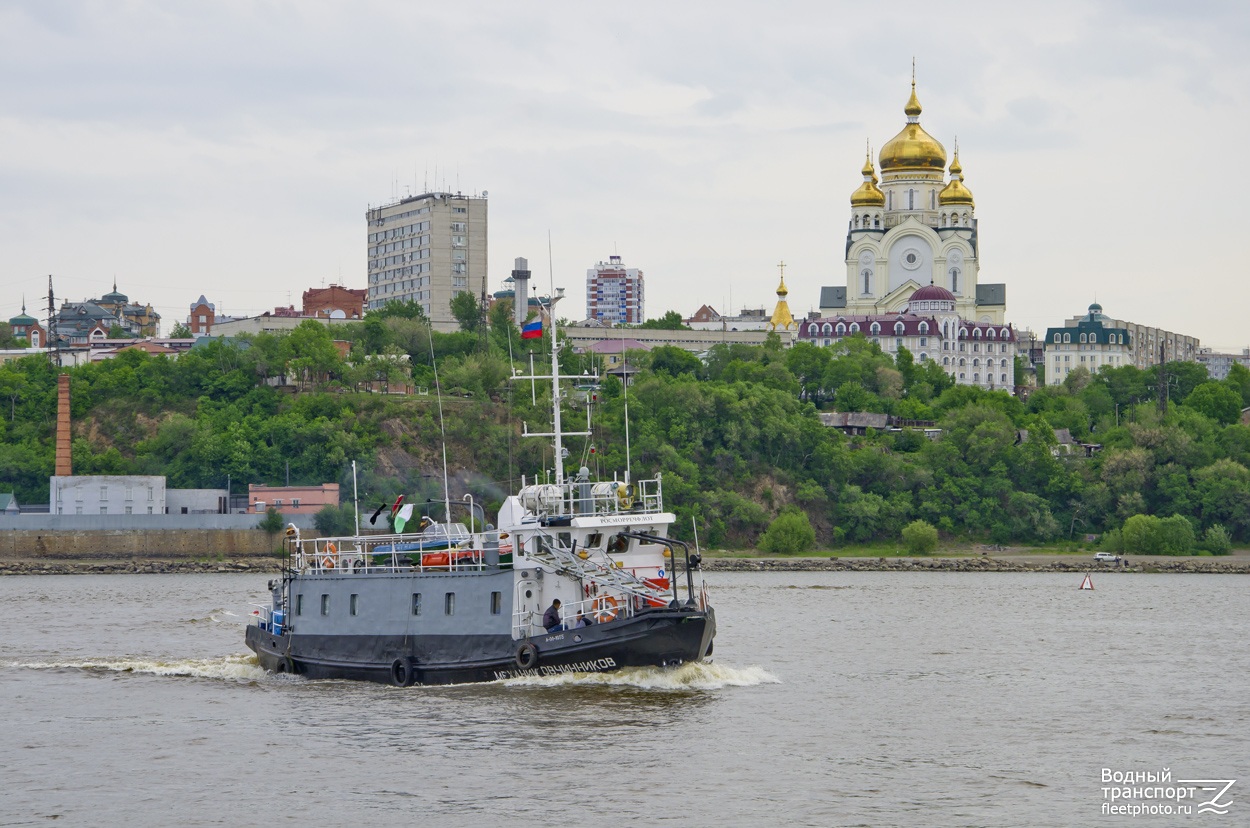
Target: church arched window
866, 275
854, 327
1004, 379
827, 329
946, 360
841, 329
1006, 334
874, 329
962, 362
976, 333
876, 221
924, 328
811, 329
932, 199
965, 220
857, 221
911, 199
889, 197
898, 328
954, 280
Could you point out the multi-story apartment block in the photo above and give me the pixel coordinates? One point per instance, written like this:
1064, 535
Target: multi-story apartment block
930, 327
614, 293
426, 249
1148, 342
1091, 342
1218, 364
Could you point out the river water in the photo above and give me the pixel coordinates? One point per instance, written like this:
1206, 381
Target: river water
835, 699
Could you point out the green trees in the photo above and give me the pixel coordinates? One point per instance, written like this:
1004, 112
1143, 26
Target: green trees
1150, 535
670, 321
790, 533
1216, 400
920, 537
467, 311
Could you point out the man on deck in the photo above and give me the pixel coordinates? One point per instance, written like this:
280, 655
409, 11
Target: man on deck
551, 618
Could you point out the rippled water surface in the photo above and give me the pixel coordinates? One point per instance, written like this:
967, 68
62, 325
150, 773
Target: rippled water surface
849, 698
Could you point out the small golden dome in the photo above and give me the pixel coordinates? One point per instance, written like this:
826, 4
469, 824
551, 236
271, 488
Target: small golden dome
913, 148
868, 194
782, 319
955, 192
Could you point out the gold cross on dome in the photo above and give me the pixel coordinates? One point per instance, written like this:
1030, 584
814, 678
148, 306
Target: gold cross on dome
782, 266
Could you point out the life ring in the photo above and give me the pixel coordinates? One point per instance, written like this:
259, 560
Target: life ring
331, 548
602, 612
327, 562
527, 656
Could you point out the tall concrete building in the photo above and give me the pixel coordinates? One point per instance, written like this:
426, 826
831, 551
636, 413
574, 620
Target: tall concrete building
427, 249
614, 293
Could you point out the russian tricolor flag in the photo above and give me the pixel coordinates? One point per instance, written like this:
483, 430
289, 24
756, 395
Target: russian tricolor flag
532, 330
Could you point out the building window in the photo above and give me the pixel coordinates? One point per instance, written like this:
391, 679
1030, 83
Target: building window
129, 510
325, 604
416, 603
104, 510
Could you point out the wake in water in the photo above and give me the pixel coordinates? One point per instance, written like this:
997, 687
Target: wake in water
235, 667
695, 675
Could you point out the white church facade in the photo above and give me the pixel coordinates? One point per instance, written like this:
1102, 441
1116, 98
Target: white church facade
914, 228
912, 266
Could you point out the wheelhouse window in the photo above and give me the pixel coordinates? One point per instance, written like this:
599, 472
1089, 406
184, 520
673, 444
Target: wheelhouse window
353, 604
325, 604
416, 603
449, 604
496, 603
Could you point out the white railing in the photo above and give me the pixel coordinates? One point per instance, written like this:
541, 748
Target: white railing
392, 553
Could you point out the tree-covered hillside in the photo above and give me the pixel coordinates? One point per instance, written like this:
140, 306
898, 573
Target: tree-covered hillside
737, 438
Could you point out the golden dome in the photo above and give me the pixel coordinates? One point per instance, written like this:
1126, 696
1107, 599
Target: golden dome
782, 319
868, 194
955, 192
913, 148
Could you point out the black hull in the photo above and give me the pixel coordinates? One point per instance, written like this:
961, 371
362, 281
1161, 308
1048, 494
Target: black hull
658, 638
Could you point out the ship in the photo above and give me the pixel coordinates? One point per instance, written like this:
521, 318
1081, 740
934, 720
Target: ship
576, 575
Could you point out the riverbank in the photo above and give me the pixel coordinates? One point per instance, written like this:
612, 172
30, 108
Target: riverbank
1233, 564
1238, 564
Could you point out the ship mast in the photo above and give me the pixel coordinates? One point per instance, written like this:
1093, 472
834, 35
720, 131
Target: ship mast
555, 390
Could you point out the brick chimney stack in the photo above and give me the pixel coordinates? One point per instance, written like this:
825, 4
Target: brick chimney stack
63, 466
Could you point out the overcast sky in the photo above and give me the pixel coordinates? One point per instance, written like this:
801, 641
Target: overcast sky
231, 148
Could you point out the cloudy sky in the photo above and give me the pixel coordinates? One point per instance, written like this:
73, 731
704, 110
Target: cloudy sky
231, 148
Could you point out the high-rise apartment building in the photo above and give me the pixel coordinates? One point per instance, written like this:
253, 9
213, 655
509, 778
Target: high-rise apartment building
427, 249
614, 294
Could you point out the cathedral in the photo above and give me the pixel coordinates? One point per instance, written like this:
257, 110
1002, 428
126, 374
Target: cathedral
912, 265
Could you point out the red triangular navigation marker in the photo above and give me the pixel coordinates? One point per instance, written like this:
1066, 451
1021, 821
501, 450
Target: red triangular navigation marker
1087, 583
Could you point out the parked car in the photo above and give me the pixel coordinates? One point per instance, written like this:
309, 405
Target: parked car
1106, 557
